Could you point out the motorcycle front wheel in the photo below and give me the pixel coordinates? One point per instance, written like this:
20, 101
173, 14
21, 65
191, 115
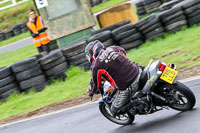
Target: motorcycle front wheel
179, 96
122, 119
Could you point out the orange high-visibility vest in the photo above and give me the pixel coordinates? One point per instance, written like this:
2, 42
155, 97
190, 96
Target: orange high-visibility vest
42, 39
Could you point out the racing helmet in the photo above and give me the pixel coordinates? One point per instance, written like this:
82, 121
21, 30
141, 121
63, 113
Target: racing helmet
92, 49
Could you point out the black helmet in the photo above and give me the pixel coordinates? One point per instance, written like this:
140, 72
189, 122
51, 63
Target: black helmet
91, 50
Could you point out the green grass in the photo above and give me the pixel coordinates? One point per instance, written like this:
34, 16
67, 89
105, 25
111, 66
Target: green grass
15, 15
5, 4
186, 43
17, 55
75, 86
105, 5
15, 38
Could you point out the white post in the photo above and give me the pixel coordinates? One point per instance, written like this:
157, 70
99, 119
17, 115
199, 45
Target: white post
14, 2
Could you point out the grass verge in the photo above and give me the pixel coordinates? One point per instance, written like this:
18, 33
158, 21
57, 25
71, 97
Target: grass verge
181, 48
15, 38
13, 56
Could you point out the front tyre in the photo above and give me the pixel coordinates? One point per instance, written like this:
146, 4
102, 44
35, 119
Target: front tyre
179, 96
122, 119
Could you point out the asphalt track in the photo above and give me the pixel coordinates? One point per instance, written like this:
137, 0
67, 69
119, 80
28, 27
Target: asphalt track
16, 45
87, 119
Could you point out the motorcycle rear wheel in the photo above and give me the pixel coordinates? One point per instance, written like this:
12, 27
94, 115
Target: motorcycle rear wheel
122, 119
180, 93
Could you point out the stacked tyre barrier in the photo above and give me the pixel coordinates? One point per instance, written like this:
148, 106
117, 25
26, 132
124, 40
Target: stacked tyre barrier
24, 28
8, 34
150, 27
140, 8
75, 54
29, 75
105, 37
2, 36
111, 27
15, 30
151, 5
191, 9
127, 36
54, 65
173, 19
169, 5
8, 84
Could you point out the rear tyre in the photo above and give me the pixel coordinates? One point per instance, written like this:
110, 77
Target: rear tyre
179, 96
123, 119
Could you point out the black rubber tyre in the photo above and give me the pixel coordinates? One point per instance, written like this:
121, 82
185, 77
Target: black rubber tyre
189, 3
76, 60
155, 36
8, 87
122, 29
74, 49
53, 55
5, 71
36, 88
177, 29
7, 80
103, 110
8, 93
102, 37
144, 21
194, 20
40, 55
86, 65
192, 9
169, 12
112, 27
9, 34
109, 42
131, 38
59, 76
29, 83
53, 64
180, 18
183, 91
2, 36
132, 45
177, 24
24, 64
57, 69
30, 73
125, 34
151, 28
147, 2
154, 32
149, 24
191, 15
172, 17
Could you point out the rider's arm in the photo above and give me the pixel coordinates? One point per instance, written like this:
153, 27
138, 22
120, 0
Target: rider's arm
119, 49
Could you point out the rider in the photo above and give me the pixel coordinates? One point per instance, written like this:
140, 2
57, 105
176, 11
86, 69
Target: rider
112, 65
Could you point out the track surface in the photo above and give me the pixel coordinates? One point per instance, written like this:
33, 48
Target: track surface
87, 119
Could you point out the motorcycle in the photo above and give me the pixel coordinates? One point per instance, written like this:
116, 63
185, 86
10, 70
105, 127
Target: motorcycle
158, 90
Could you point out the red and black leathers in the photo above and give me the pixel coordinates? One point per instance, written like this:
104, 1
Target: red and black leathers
113, 66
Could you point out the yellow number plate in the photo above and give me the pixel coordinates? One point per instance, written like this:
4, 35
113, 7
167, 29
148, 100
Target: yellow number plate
169, 75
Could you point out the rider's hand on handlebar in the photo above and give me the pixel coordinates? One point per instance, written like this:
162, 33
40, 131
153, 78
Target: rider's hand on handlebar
90, 92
